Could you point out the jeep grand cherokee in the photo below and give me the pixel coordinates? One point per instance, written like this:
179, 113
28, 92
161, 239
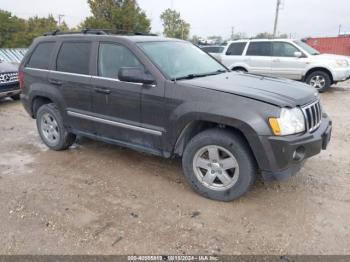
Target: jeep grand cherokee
169, 98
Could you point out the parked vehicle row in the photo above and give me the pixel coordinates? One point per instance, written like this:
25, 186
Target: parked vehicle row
214, 50
286, 58
9, 86
169, 98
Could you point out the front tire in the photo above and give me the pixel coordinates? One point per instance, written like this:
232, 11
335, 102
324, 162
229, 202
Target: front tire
219, 165
51, 129
319, 80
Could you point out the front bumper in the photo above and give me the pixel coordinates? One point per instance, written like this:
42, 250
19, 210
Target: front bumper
286, 155
341, 74
9, 90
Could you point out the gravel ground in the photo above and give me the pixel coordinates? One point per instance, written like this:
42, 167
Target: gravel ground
102, 199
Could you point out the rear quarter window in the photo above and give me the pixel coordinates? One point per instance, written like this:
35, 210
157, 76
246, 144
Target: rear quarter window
74, 57
41, 55
236, 48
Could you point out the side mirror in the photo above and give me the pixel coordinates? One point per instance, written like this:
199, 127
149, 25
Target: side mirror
298, 54
135, 75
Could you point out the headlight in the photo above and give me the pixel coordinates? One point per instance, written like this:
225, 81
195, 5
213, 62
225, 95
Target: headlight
341, 63
291, 121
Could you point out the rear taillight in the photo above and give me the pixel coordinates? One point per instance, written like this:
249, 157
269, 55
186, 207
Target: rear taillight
21, 79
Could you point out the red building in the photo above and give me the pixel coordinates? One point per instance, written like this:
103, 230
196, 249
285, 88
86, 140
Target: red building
331, 45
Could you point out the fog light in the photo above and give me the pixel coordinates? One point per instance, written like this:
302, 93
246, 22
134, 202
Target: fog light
299, 154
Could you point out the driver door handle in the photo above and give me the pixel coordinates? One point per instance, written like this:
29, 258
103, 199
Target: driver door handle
55, 82
102, 91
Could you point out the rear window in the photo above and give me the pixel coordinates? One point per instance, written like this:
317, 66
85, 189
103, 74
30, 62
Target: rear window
236, 48
74, 57
41, 56
259, 49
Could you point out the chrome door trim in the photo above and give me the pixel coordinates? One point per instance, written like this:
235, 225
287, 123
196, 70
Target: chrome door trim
115, 123
89, 76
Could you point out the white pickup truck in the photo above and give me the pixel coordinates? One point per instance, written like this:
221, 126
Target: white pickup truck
286, 58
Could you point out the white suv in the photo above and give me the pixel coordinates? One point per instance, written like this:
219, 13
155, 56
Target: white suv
286, 58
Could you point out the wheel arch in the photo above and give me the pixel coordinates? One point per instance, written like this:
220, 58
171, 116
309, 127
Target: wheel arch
195, 127
323, 69
237, 68
44, 94
37, 102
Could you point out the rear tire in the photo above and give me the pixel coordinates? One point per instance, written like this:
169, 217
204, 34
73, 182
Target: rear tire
51, 129
225, 175
320, 80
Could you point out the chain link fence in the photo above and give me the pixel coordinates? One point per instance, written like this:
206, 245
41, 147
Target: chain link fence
12, 55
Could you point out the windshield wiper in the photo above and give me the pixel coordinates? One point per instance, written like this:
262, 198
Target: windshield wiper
192, 76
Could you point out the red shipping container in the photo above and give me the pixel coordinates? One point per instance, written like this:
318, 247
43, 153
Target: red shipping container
331, 45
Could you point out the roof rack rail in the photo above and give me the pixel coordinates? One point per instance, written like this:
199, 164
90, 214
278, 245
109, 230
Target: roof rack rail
85, 31
92, 31
146, 34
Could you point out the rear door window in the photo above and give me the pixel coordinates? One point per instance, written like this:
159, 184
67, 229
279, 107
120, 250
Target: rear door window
236, 48
40, 58
259, 49
114, 56
74, 57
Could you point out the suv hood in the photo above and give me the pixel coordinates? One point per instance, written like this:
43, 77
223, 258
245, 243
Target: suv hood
331, 57
7, 67
276, 91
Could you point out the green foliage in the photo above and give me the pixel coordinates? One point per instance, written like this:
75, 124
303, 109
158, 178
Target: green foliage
216, 39
17, 32
122, 16
266, 35
195, 40
174, 26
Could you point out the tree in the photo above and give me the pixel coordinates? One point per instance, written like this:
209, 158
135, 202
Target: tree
195, 40
118, 16
264, 35
9, 25
216, 39
174, 26
17, 32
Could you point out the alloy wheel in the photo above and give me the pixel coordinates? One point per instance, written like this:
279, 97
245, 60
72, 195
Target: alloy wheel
216, 168
318, 82
50, 129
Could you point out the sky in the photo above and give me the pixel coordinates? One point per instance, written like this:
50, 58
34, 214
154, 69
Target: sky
300, 18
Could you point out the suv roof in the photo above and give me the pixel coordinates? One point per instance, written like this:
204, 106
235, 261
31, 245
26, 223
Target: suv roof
97, 33
261, 40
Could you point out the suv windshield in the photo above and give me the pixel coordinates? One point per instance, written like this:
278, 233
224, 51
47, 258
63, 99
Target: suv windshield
181, 60
307, 48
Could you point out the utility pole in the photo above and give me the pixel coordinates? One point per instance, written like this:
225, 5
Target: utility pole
60, 16
339, 33
232, 32
276, 17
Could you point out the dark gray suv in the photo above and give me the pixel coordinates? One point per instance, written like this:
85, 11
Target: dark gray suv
169, 98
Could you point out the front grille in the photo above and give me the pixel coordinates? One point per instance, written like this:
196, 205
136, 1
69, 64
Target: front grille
8, 78
313, 115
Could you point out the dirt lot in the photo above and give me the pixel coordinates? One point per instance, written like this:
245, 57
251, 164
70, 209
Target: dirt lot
101, 199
